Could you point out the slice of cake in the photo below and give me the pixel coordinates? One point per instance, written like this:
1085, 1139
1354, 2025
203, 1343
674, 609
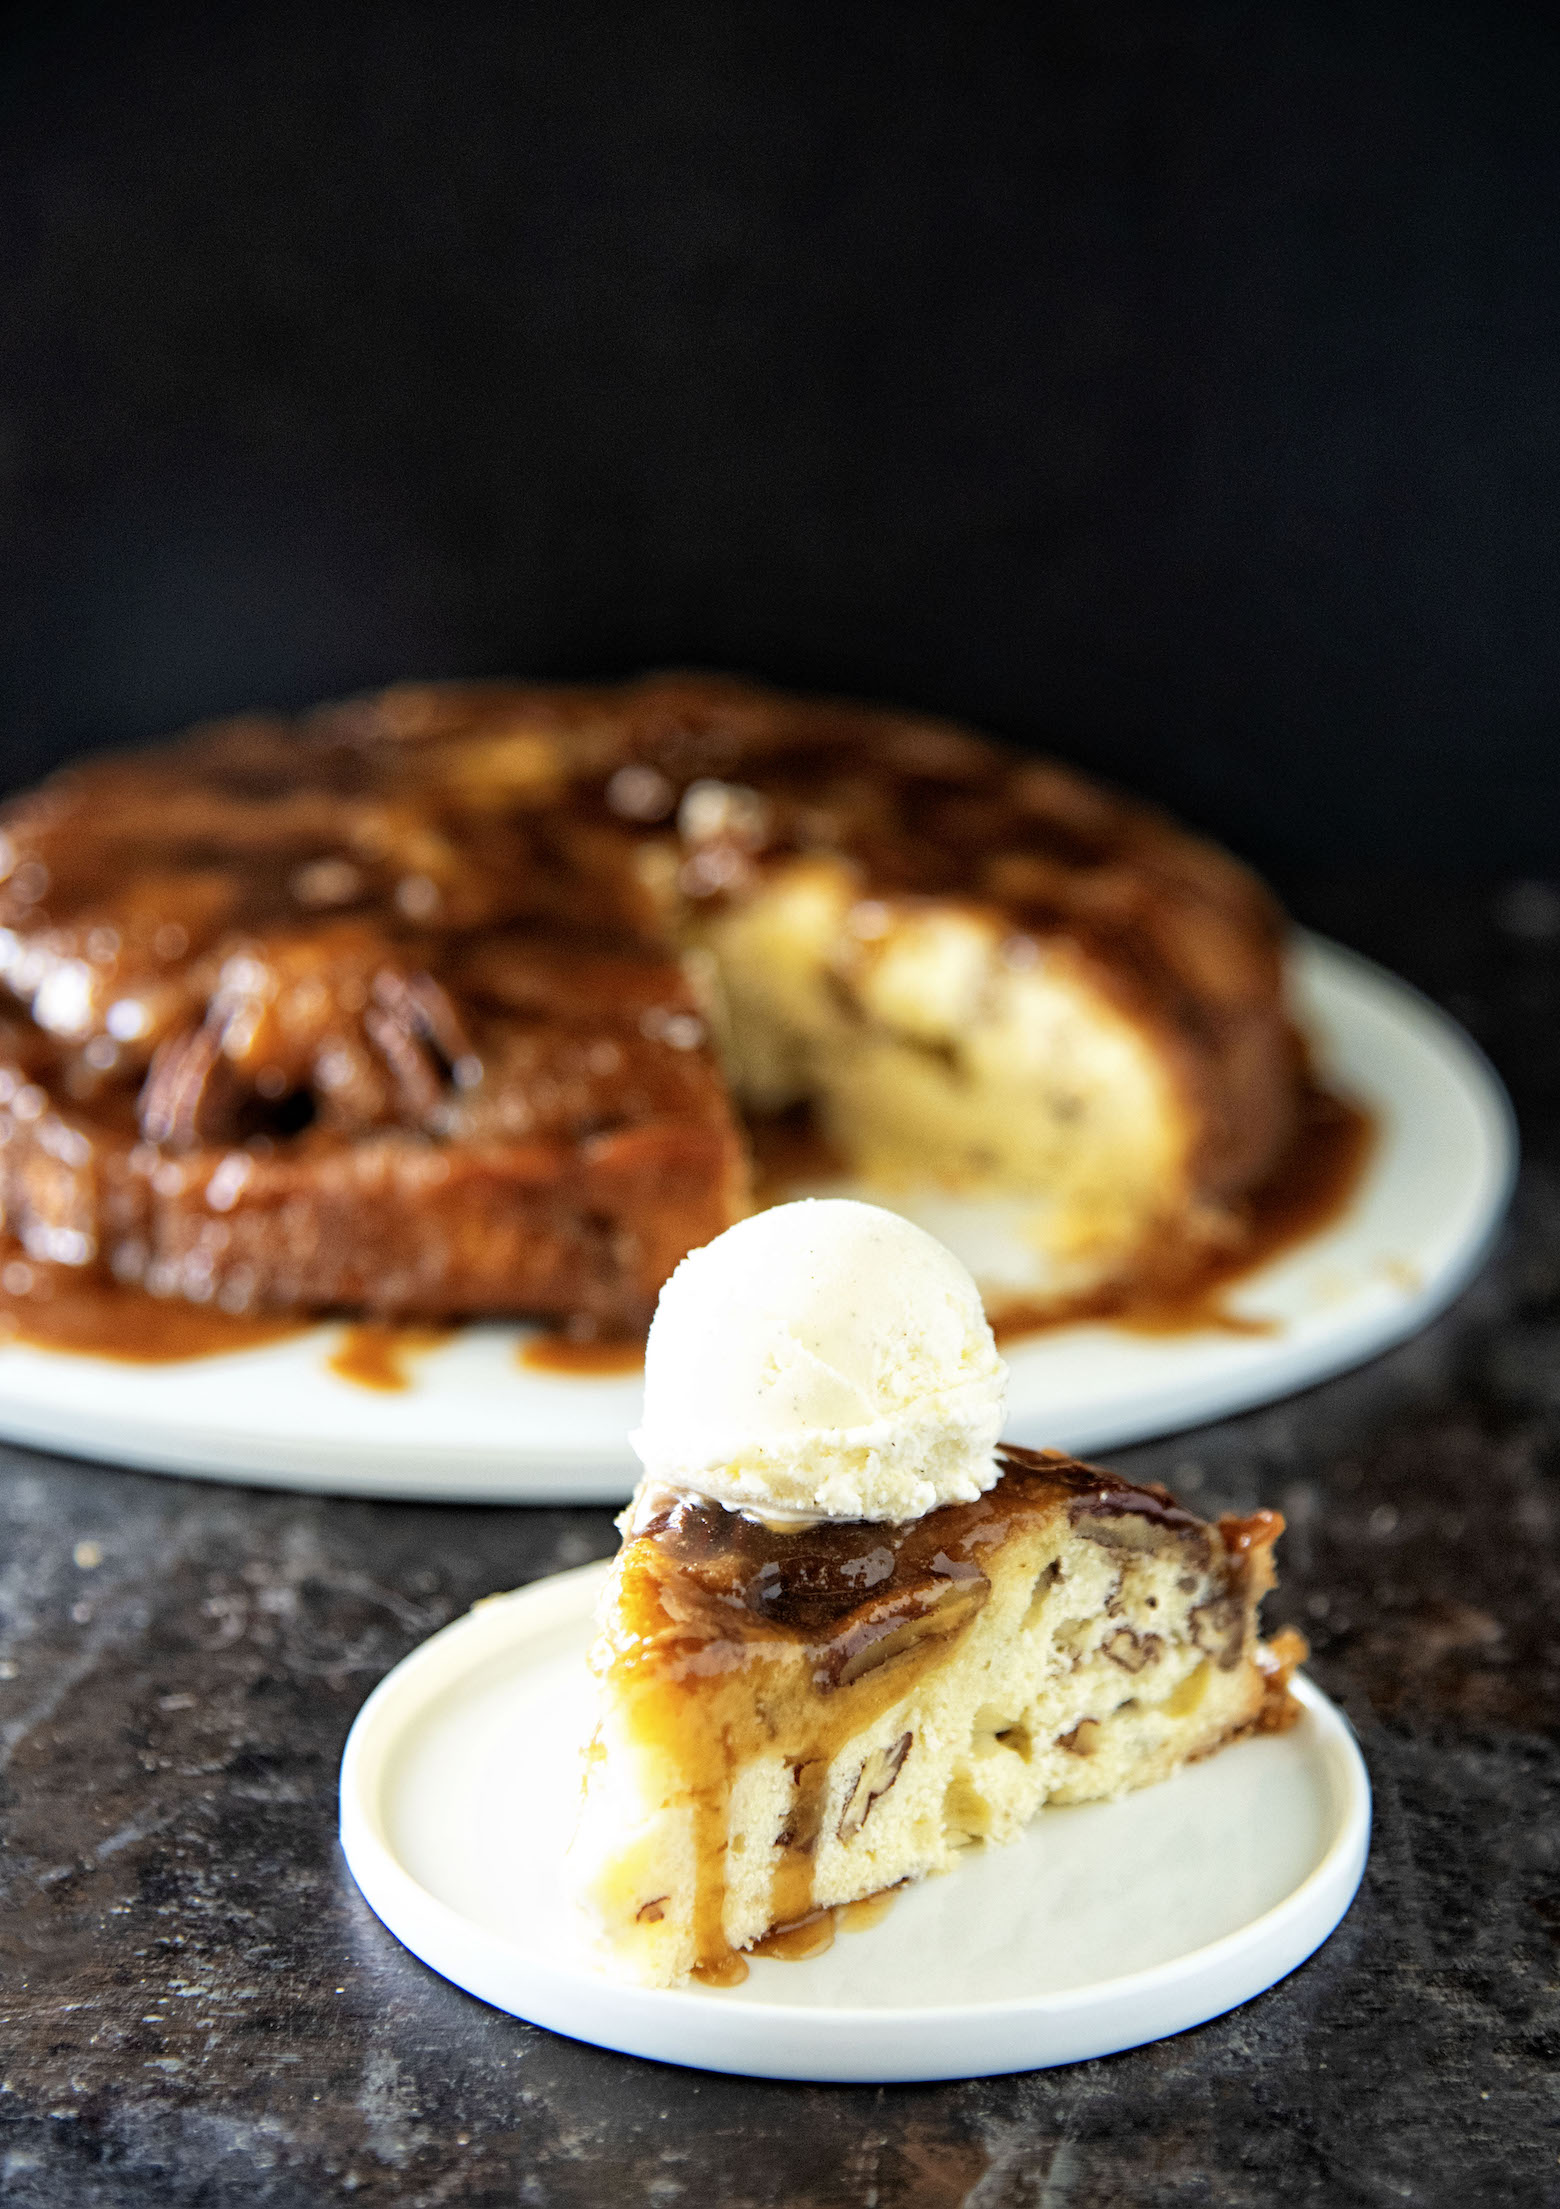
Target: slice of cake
811, 1694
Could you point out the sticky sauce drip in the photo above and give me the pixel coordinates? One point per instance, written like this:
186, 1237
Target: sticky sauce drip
804, 1937
812, 1935
68, 1310
728, 1970
378, 1356
860, 1917
562, 1353
1183, 1288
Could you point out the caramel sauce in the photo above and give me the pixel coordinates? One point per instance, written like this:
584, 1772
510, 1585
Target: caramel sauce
1181, 1289
79, 1312
373, 1354
728, 1970
1278, 1661
72, 1311
731, 1641
860, 1917
600, 1360
803, 1937
812, 1935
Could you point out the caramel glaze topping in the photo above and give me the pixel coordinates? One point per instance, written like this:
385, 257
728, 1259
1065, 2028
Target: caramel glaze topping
847, 1589
794, 1642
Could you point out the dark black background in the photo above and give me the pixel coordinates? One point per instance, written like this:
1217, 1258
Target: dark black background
1179, 386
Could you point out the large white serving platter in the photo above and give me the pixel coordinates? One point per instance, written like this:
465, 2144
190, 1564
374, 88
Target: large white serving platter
1103, 1927
477, 1426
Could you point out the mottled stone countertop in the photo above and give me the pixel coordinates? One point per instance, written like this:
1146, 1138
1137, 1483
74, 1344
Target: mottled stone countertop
197, 2009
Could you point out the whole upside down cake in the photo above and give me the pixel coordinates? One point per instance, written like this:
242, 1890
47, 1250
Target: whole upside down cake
450, 1001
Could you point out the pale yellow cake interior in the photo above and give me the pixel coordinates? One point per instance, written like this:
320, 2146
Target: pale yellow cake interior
936, 1048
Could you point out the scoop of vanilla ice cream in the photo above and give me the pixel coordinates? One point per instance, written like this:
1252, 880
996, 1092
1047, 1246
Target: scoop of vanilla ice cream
824, 1359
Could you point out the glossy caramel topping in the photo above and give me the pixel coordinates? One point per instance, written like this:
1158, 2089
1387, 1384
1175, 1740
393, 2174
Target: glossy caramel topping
843, 1587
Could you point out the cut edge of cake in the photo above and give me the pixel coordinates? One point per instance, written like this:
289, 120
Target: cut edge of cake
933, 1044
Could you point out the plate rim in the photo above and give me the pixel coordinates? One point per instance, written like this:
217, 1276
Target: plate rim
1308, 1914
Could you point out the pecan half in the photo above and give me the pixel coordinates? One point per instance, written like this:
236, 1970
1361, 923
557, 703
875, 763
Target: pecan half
1131, 1651
1219, 1630
873, 1781
907, 1620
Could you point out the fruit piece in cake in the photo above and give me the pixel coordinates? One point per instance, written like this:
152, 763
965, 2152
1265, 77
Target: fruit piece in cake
849, 1634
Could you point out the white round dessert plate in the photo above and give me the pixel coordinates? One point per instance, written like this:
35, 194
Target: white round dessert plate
1104, 1926
476, 1425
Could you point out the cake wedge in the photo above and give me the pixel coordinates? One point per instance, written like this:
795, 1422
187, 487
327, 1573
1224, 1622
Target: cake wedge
799, 1710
